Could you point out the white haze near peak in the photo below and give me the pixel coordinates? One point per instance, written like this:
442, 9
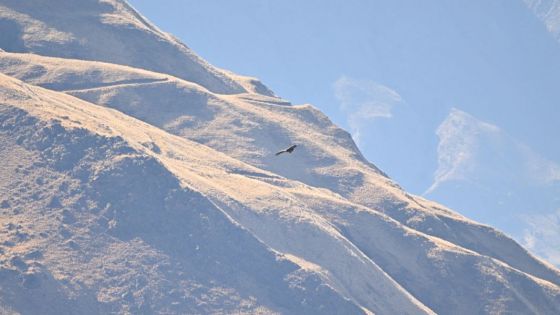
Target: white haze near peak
482, 167
458, 144
463, 140
134, 186
481, 170
548, 11
364, 101
543, 235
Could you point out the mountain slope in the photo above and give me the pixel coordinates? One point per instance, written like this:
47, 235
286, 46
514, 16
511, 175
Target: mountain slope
200, 215
289, 217
251, 128
102, 244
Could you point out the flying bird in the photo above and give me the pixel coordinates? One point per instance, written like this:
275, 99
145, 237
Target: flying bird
288, 150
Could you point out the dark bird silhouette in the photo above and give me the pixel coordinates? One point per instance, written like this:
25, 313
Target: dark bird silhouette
288, 150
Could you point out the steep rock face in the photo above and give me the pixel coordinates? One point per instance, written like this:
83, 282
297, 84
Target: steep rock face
107, 30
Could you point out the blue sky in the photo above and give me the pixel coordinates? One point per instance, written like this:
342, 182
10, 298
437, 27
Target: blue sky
455, 100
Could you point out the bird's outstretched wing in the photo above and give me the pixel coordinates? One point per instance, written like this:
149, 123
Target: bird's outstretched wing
288, 150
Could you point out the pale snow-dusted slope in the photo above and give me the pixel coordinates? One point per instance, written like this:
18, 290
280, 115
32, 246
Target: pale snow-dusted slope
106, 30
312, 224
251, 128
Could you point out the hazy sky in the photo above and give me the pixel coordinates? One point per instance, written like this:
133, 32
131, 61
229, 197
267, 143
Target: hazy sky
455, 99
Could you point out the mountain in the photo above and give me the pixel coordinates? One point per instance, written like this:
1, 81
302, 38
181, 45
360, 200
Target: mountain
103, 30
140, 179
87, 235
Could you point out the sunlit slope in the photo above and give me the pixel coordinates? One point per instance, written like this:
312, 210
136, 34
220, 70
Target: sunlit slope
95, 223
251, 127
327, 235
